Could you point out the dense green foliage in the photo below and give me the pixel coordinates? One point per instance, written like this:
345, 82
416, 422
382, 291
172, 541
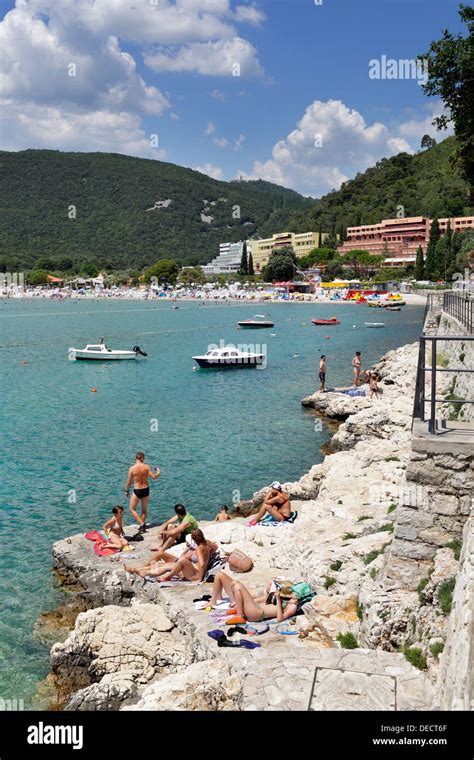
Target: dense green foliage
425, 184
450, 67
116, 224
281, 266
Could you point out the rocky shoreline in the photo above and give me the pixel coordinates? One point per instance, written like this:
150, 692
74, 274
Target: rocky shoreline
140, 646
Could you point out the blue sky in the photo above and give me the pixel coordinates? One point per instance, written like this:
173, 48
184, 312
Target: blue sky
303, 111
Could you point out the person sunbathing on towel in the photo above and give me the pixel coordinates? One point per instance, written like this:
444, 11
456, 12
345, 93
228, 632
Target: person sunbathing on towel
276, 503
191, 566
248, 607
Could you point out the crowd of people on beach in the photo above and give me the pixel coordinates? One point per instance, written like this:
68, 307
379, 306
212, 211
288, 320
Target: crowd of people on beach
202, 559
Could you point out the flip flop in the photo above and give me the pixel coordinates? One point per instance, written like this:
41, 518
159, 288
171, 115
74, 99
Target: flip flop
217, 635
248, 644
236, 621
236, 629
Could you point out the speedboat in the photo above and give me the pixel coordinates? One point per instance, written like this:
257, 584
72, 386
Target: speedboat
228, 357
374, 324
332, 321
392, 308
255, 323
101, 352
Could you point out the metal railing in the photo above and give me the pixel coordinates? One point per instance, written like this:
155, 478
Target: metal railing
419, 410
461, 308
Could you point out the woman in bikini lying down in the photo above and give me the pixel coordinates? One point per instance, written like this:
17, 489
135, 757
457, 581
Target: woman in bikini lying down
192, 564
253, 609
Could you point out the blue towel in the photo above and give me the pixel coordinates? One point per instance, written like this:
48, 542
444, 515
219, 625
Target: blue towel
269, 520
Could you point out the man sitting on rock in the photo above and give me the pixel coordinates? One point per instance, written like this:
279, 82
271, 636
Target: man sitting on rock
276, 503
169, 534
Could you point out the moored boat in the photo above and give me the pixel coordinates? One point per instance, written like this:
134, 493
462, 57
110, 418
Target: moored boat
374, 324
229, 357
99, 351
332, 321
257, 322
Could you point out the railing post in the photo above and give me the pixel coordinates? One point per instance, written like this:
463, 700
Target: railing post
423, 376
432, 422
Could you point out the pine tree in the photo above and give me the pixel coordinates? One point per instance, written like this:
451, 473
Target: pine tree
448, 250
250, 264
243, 261
420, 264
320, 234
430, 261
440, 259
342, 233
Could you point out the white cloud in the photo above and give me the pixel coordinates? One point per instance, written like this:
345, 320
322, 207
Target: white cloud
66, 58
25, 125
218, 95
234, 57
238, 142
210, 129
249, 14
211, 170
414, 129
330, 144
221, 142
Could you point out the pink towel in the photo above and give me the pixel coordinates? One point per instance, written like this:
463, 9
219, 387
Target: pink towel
98, 539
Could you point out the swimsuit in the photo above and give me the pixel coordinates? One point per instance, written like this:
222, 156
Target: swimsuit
140, 493
322, 376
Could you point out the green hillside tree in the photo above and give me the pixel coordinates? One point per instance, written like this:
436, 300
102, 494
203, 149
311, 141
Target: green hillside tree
450, 67
250, 264
420, 264
281, 266
244, 267
37, 277
430, 261
428, 142
165, 270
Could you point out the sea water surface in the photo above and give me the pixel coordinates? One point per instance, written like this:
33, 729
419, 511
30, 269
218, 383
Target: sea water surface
217, 435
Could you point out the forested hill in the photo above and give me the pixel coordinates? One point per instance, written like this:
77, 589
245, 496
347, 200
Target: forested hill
424, 184
129, 212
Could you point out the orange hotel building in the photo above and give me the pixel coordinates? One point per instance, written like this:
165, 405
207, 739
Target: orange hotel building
398, 239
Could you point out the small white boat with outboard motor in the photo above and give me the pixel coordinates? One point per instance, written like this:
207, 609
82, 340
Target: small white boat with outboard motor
99, 351
374, 324
228, 357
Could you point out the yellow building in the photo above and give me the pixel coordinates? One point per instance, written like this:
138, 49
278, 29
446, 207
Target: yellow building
301, 243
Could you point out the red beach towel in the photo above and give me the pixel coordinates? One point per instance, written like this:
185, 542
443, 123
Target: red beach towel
98, 539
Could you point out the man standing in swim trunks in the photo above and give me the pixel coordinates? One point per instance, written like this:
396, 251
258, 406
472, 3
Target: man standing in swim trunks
357, 363
322, 372
139, 473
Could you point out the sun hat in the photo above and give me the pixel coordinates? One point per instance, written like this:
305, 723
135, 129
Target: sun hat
276, 484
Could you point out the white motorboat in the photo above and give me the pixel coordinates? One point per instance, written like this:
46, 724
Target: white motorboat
374, 324
257, 322
228, 357
99, 351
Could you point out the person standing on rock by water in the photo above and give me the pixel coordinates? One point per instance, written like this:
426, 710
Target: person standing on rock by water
322, 373
139, 473
357, 363
374, 388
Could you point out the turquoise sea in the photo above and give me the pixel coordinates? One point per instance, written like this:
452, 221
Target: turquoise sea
217, 435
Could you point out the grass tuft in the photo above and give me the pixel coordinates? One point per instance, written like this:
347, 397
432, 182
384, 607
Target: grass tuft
347, 640
415, 657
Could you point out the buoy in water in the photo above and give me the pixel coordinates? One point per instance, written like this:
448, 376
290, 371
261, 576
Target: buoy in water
23, 361
328, 337
93, 390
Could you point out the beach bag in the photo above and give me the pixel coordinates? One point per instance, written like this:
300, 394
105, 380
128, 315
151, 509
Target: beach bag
239, 562
302, 590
